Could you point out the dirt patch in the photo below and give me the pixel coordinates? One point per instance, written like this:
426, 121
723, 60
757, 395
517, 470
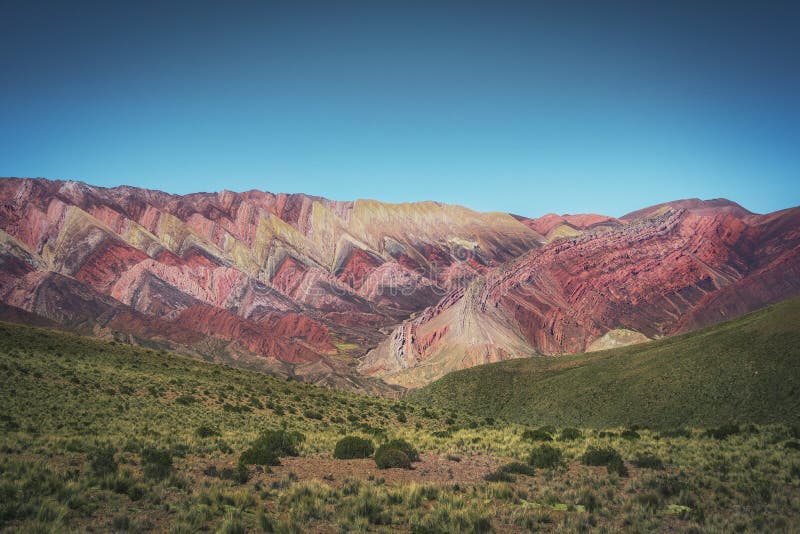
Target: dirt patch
431, 469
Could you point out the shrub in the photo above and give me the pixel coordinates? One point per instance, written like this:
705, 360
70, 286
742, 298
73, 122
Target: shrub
794, 445
386, 457
649, 500
270, 446
186, 400
101, 460
312, 414
629, 434
498, 475
723, 431
545, 457
206, 431
676, 433
539, 434
608, 457
240, 474
517, 468
406, 447
794, 471
668, 485
156, 463
570, 434
648, 461
351, 447
599, 456
616, 465
589, 501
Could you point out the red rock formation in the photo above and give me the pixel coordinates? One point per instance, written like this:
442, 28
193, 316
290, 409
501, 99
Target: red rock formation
277, 276
280, 281
668, 269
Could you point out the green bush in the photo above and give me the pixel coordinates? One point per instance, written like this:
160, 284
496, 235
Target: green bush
676, 433
649, 500
538, 434
186, 400
498, 475
589, 501
668, 485
606, 456
240, 475
616, 465
599, 456
406, 447
270, 446
545, 457
312, 414
570, 434
101, 460
206, 431
386, 457
517, 468
723, 432
156, 463
629, 434
351, 447
648, 461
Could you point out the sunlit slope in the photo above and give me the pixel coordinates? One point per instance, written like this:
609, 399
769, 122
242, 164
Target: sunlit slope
745, 370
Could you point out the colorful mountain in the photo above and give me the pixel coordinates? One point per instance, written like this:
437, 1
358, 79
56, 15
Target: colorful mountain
292, 284
653, 273
373, 296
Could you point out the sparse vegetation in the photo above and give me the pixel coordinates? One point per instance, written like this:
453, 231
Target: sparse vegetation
92, 439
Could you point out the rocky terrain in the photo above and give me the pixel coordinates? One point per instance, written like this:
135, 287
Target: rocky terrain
303, 286
661, 271
292, 284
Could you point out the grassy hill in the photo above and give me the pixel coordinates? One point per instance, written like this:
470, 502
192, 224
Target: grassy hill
744, 370
98, 436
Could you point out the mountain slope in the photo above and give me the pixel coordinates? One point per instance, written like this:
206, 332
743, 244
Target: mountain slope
665, 270
292, 284
745, 370
377, 296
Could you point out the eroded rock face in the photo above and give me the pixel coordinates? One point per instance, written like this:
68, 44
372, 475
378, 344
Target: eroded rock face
303, 286
269, 281
657, 272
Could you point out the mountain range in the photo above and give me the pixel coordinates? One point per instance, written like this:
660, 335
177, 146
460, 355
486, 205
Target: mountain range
373, 296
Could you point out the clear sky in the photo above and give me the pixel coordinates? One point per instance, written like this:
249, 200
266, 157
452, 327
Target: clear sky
519, 107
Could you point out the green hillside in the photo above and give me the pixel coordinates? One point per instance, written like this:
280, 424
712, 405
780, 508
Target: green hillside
99, 436
745, 370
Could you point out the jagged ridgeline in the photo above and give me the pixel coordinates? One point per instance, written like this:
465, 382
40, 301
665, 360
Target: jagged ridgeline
372, 296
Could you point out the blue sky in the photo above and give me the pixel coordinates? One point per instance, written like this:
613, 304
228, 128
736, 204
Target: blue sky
519, 107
